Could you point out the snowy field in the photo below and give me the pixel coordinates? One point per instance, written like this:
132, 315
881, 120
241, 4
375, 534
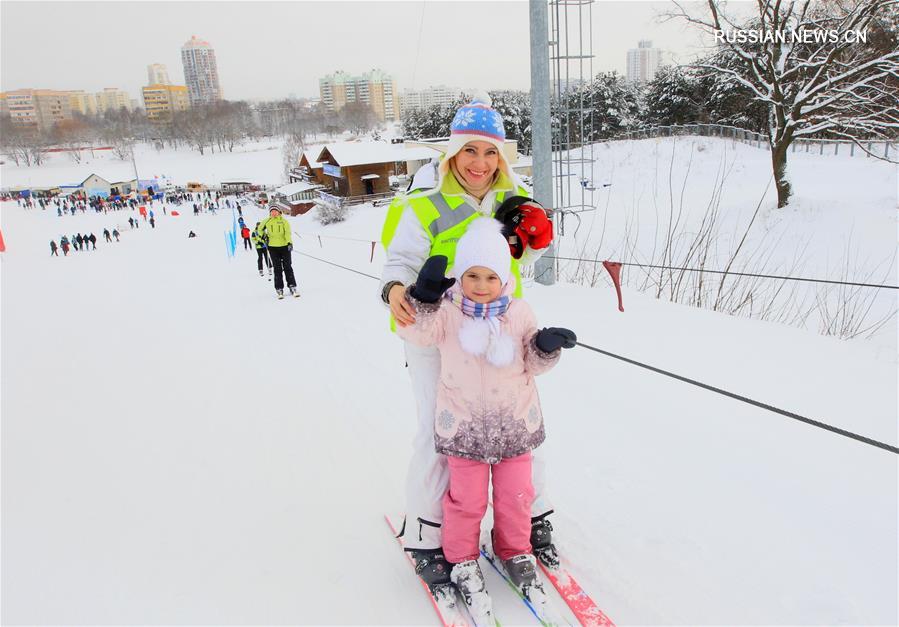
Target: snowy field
179, 447
841, 223
259, 162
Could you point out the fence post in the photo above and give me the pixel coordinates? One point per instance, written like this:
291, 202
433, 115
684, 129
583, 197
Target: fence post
886, 150
836, 149
852, 149
868, 154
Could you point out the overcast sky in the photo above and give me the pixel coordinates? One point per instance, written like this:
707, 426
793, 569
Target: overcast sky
268, 50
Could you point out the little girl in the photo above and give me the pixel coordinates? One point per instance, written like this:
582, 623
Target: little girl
488, 415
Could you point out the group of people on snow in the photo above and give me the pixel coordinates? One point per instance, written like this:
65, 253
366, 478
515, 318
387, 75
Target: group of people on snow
78, 242
455, 244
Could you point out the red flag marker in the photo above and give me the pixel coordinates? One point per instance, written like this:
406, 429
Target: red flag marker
614, 269
2, 243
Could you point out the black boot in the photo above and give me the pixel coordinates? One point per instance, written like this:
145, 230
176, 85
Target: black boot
431, 566
542, 542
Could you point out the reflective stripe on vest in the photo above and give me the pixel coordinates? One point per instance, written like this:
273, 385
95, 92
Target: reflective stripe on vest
449, 217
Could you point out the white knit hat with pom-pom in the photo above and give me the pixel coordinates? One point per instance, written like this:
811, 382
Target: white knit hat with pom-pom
483, 244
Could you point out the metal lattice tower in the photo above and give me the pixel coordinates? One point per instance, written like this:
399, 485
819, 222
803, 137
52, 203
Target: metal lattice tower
571, 72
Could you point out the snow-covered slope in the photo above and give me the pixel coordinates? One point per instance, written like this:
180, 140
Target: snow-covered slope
180, 447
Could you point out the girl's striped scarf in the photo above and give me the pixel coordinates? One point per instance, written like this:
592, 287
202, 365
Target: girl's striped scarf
469, 307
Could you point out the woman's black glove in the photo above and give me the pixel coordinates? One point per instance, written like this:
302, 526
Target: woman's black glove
432, 281
552, 338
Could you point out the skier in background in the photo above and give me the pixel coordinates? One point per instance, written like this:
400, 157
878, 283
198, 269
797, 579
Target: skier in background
93, 241
261, 250
245, 234
152, 222
106, 235
64, 244
115, 234
53, 248
276, 234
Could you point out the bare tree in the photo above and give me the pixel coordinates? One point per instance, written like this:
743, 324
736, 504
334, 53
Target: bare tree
71, 135
806, 63
15, 140
292, 152
358, 117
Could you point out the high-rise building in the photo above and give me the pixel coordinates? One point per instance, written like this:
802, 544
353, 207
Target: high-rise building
38, 109
83, 102
112, 99
200, 72
424, 98
161, 101
643, 62
157, 75
375, 88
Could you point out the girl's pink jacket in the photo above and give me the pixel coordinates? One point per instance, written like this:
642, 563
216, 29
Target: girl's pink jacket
484, 412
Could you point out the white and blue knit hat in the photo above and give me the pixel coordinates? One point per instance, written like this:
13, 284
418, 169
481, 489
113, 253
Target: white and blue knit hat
479, 118
476, 121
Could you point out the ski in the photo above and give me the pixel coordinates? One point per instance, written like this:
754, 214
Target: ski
582, 606
578, 601
537, 603
444, 599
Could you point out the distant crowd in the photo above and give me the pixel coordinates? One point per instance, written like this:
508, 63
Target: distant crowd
200, 202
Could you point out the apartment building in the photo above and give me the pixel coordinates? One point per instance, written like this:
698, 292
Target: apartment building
200, 72
157, 74
83, 102
39, 109
424, 98
162, 101
643, 62
112, 99
375, 88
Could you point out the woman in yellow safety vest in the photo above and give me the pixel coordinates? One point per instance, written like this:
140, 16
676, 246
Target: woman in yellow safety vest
472, 179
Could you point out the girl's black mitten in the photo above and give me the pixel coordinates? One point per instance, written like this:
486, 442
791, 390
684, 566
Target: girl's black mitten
553, 338
432, 281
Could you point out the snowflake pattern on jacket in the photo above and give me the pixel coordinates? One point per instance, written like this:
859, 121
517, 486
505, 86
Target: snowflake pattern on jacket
484, 412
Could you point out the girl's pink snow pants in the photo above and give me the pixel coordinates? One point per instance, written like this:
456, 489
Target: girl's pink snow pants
465, 503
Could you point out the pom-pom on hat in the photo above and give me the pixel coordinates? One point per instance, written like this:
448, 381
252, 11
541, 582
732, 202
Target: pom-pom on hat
476, 121
483, 244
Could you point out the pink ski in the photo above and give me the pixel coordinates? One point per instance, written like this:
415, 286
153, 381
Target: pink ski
447, 608
581, 605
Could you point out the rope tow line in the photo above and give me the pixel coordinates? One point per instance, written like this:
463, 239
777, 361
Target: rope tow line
744, 399
705, 386
731, 272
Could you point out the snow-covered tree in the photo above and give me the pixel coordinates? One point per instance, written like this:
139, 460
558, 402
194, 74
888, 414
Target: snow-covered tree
825, 82
433, 121
610, 105
515, 107
673, 97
